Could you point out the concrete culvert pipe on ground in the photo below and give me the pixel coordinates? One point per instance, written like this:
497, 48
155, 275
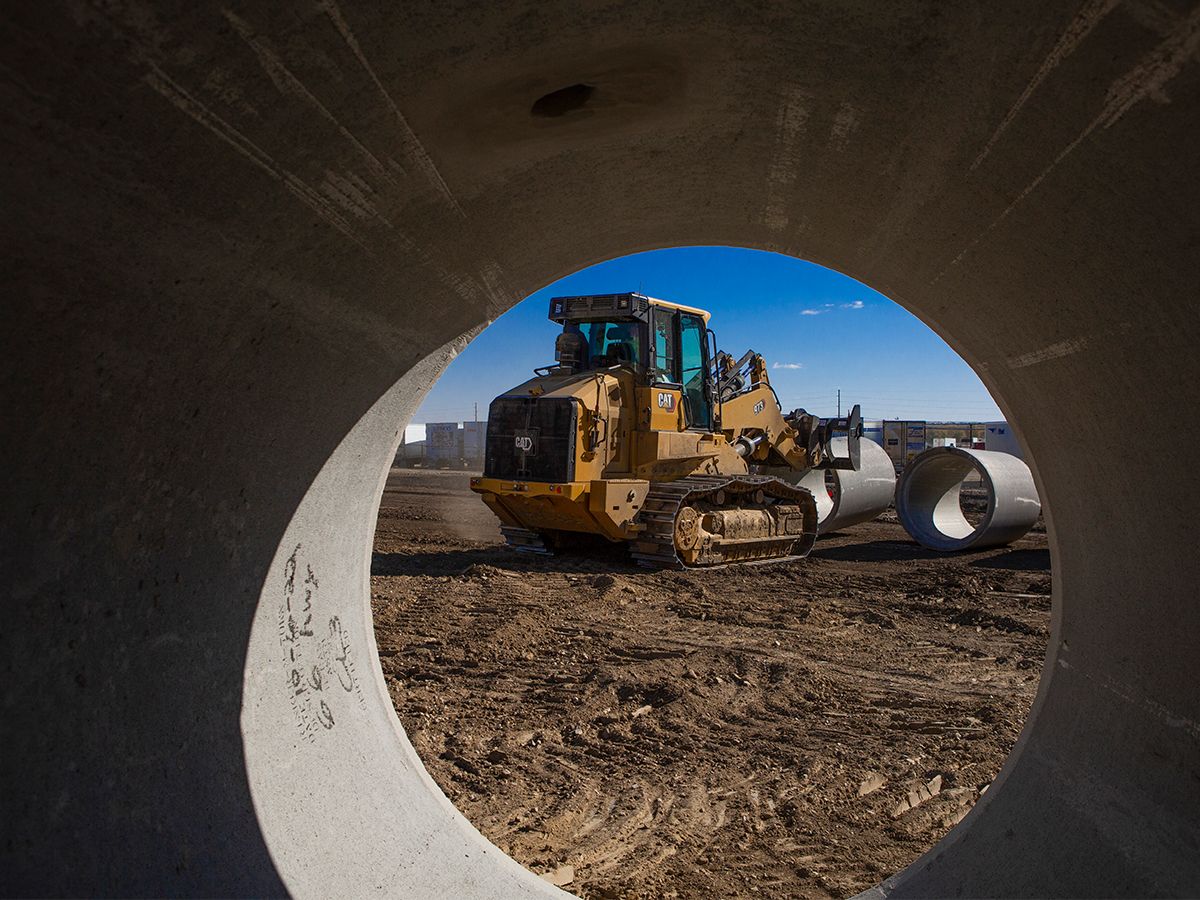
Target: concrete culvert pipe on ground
242, 242
848, 497
928, 499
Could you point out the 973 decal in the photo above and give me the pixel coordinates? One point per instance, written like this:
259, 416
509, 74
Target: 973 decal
759, 406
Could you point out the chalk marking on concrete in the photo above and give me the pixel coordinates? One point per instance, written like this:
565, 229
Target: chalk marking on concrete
1124, 692
1147, 79
351, 197
287, 83
844, 122
157, 79
1087, 18
502, 297
338, 190
1066, 347
414, 148
1150, 77
334, 190
1054, 351
790, 122
493, 279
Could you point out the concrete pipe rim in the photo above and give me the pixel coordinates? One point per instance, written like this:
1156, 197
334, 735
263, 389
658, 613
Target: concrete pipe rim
926, 530
827, 501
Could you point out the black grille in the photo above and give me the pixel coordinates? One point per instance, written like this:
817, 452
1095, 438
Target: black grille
530, 439
598, 307
575, 307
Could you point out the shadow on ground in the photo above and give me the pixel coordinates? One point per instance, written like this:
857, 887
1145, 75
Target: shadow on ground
1033, 560
615, 558
1028, 560
872, 551
456, 562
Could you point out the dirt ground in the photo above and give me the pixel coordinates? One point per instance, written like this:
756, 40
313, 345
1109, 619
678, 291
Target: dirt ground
803, 729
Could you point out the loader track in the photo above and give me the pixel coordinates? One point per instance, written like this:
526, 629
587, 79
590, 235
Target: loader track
655, 547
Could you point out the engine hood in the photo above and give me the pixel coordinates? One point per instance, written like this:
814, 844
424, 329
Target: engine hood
580, 384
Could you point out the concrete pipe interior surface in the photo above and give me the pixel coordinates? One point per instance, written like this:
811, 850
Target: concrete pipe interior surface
849, 497
243, 239
928, 495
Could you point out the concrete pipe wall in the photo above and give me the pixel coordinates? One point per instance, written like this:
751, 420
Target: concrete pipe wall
927, 499
241, 240
857, 496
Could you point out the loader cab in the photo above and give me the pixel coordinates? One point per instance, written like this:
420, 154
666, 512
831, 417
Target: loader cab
600, 332
680, 359
664, 343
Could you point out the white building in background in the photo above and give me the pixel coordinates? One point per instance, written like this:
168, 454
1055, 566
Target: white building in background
443, 445
999, 436
873, 430
904, 439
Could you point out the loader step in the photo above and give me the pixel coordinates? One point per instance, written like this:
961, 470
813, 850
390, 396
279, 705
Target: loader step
524, 540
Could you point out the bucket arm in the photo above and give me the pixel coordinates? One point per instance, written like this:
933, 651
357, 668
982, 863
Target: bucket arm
753, 421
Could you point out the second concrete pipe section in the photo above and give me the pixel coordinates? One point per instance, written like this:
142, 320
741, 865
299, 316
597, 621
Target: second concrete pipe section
850, 497
928, 499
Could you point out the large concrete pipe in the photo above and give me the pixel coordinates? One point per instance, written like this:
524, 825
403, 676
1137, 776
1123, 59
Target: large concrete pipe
241, 239
928, 499
849, 497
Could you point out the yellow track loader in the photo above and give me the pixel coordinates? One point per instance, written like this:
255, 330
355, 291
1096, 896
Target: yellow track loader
643, 432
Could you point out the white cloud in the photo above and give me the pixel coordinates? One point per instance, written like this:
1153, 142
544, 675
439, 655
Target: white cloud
810, 312
827, 305
780, 365
857, 304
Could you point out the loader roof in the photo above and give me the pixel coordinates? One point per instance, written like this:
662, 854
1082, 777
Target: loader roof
694, 310
585, 307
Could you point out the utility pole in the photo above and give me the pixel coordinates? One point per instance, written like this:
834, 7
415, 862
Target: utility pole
839, 403
477, 411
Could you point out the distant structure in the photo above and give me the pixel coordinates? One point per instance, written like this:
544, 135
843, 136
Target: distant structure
442, 445
905, 438
461, 445
1001, 437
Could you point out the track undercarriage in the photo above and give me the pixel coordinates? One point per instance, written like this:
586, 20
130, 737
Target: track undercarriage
708, 521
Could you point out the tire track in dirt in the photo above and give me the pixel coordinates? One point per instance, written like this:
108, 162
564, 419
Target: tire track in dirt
804, 729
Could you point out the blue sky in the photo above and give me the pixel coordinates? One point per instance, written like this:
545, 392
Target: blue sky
819, 331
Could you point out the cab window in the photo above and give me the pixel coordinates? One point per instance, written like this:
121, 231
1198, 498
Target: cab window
612, 343
665, 368
694, 371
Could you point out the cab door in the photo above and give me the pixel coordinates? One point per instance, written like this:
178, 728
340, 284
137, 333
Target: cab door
693, 371
662, 400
